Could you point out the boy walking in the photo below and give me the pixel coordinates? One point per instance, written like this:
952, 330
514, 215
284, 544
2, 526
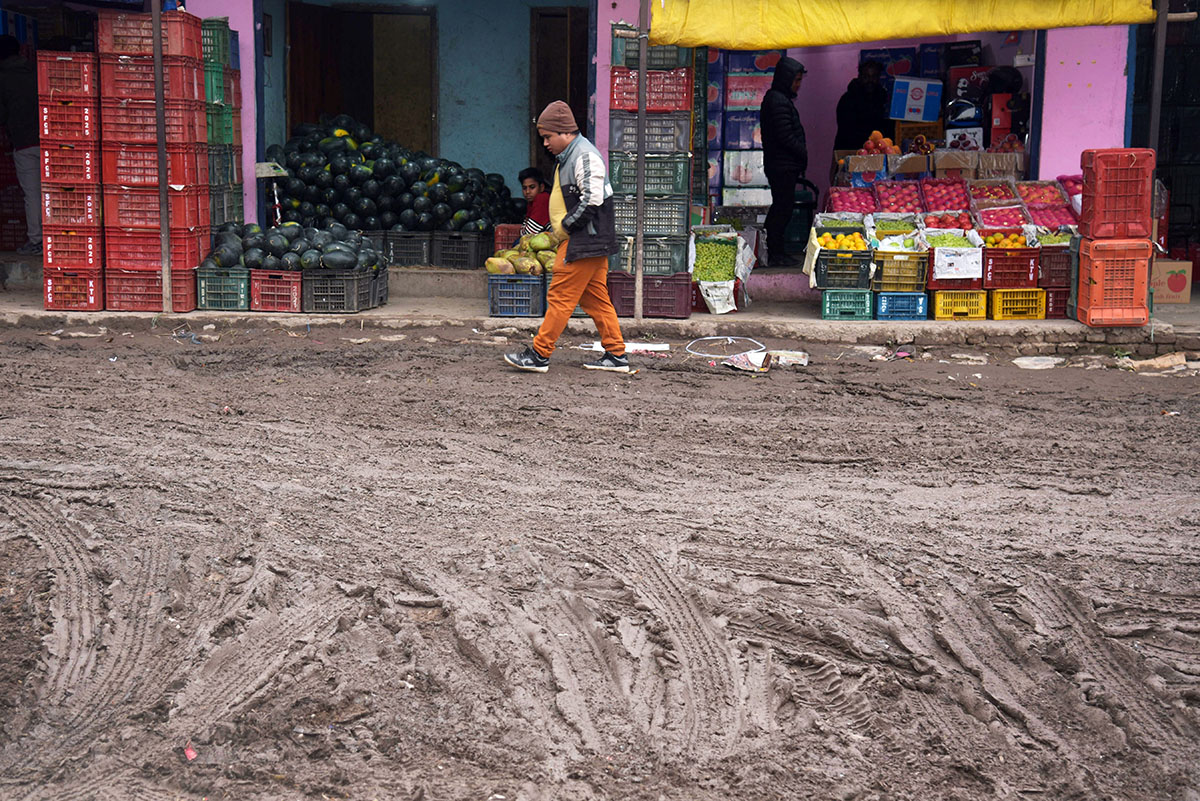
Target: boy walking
581, 217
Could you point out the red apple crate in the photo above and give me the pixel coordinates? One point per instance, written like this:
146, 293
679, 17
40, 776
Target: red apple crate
71, 206
1117, 195
139, 208
66, 75
137, 165
141, 250
70, 163
129, 33
1010, 268
134, 121
884, 185
132, 78
1056, 303
73, 120
951, 284
666, 90
272, 291
140, 290
81, 249
68, 289
1054, 266
662, 295
1114, 277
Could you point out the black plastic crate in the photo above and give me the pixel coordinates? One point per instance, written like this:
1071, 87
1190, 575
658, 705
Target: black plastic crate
379, 287
666, 255
407, 248
843, 269
665, 133
661, 216
457, 250
335, 291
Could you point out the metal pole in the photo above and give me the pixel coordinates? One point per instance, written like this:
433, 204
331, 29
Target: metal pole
164, 221
639, 235
1160, 52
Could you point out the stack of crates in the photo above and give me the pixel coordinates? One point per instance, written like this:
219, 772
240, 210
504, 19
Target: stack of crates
128, 125
666, 217
1111, 260
72, 243
843, 276
223, 113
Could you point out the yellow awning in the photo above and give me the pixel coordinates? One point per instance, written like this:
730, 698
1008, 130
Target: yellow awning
772, 24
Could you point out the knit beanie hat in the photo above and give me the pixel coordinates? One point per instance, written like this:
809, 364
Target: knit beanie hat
557, 118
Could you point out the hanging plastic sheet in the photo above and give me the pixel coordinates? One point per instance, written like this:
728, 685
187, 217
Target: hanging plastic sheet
773, 24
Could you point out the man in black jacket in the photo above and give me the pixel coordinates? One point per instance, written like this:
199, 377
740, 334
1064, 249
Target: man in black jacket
785, 153
862, 109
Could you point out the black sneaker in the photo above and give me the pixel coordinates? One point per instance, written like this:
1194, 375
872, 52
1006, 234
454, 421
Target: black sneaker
610, 362
528, 359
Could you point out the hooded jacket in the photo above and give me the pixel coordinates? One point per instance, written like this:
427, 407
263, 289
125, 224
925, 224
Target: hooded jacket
861, 110
784, 145
18, 102
590, 221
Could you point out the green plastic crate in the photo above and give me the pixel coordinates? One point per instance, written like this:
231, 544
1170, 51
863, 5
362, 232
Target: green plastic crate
214, 38
220, 124
658, 57
666, 255
223, 288
666, 173
214, 82
846, 304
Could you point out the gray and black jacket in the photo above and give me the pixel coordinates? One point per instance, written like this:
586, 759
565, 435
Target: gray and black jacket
588, 197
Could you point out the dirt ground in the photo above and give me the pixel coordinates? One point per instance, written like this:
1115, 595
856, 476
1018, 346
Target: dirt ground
281, 566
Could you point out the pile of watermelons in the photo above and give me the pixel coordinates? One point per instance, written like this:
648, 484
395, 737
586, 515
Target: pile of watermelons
339, 171
291, 246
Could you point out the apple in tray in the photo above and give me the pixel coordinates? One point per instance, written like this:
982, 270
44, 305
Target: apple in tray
1040, 192
901, 196
992, 192
949, 219
1003, 217
847, 199
945, 193
1052, 216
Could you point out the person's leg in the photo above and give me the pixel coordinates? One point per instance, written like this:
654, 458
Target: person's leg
598, 305
566, 288
783, 198
29, 177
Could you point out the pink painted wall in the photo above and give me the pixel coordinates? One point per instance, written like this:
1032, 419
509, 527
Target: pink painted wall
1085, 95
241, 19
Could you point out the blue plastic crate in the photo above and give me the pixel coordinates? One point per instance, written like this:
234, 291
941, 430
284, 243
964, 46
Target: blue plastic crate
516, 296
235, 56
901, 306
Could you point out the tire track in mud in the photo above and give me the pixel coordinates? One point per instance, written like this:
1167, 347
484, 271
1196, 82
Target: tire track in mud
711, 711
1115, 675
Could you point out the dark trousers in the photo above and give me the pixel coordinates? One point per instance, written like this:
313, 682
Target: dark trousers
783, 198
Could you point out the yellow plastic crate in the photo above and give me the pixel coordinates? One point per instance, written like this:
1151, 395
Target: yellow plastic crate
1017, 304
960, 304
900, 272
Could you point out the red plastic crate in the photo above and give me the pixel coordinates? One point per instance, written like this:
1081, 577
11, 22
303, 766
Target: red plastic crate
506, 234
1056, 303
1116, 193
233, 93
1054, 267
139, 208
132, 34
666, 90
137, 165
81, 249
141, 250
72, 290
69, 120
950, 283
137, 290
134, 121
662, 295
1010, 268
698, 304
132, 78
1114, 278
275, 291
70, 163
65, 75
71, 206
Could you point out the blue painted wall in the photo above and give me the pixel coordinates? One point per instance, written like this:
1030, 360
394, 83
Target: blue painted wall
484, 119
274, 116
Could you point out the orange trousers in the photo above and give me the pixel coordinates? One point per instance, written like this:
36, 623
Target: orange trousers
579, 283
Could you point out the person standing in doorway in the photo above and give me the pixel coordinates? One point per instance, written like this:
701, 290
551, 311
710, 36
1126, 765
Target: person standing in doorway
537, 201
862, 109
785, 154
582, 219
19, 116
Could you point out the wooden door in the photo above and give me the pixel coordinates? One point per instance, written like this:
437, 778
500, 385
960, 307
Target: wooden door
558, 70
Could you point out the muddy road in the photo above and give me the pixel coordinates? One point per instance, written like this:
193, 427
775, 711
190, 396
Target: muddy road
278, 567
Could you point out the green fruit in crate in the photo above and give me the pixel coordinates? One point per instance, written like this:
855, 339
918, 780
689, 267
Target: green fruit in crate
339, 259
547, 257
1054, 239
541, 242
949, 241
253, 258
524, 264
310, 259
714, 262
910, 243
497, 266
290, 261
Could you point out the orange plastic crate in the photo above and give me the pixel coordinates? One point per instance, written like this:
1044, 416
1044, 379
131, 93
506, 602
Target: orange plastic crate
1117, 193
1114, 278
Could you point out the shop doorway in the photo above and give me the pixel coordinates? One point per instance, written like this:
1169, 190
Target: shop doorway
558, 70
378, 67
